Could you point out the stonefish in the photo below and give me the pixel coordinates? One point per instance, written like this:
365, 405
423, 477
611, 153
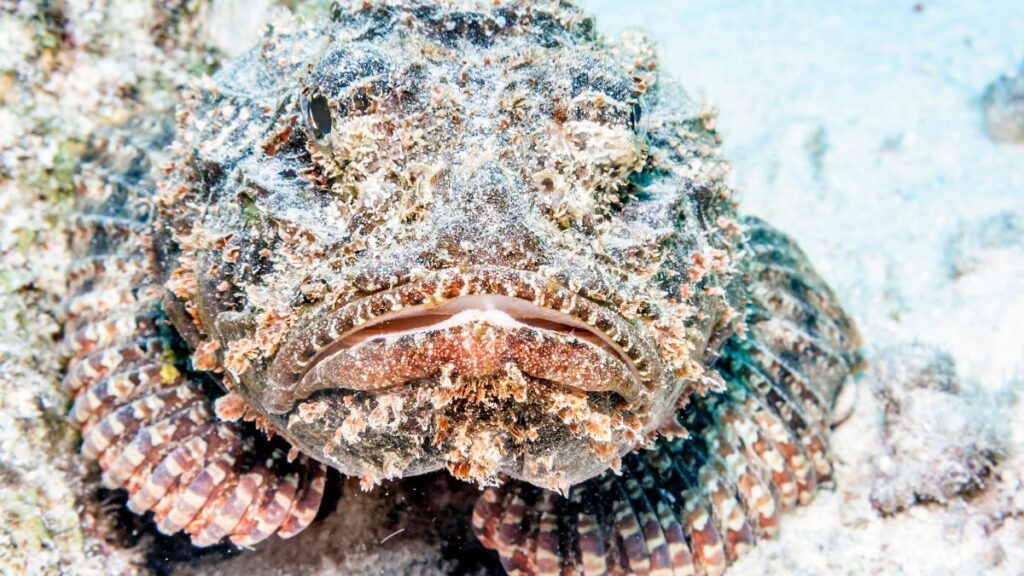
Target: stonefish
420, 236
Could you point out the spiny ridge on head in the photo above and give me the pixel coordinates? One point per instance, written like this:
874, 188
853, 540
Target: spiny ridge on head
480, 22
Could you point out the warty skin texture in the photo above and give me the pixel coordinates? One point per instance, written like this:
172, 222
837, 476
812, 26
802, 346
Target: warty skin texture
418, 237
419, 155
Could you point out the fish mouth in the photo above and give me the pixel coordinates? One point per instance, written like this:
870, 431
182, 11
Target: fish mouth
469, 324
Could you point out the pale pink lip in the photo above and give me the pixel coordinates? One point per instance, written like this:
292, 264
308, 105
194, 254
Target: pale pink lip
475, 323
493, 309
476, 335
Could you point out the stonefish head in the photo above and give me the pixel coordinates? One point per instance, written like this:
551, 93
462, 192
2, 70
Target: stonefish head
419, 238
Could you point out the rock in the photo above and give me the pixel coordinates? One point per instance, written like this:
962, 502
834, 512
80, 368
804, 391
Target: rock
50, 521
941, 438
1004, 108
990, 242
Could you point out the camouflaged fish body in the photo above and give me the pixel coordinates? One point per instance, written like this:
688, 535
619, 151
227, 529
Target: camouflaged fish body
483, 240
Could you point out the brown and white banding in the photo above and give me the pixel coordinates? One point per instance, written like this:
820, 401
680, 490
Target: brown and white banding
111, 330
225, 510
97, 364
122, 423
153, 432
152, 442
305, 506
213, 464
267, 513
115, 389
167, 476
150, 481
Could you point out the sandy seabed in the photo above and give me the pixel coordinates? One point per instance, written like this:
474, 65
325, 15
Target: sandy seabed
857, 129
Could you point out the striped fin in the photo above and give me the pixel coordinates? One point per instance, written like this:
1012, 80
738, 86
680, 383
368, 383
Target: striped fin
91, 367
144, 417
305, 507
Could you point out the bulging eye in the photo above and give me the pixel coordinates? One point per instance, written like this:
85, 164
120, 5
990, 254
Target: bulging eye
318, 115
637, 119
604, 109
348, 80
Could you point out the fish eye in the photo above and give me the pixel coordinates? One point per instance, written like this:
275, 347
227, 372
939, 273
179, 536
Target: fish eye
319, 115
636, 112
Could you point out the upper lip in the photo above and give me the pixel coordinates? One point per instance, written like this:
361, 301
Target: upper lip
445, 298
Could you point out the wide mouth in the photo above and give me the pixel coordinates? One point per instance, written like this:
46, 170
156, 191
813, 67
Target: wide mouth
472, 337
496, 309
470, 324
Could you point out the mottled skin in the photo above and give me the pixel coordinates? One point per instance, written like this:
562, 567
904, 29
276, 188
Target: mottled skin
419, 237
